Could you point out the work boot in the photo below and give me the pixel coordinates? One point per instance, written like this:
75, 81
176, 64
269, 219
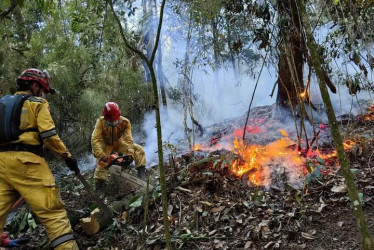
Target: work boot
142, 172
100, 185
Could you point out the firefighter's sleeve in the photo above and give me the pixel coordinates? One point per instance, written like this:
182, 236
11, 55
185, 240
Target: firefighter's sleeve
127, 141
48, 133
96, 140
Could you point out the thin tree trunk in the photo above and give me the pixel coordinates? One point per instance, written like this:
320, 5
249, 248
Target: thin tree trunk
215, 42
161, 76
150, 63
185, 73
366, 239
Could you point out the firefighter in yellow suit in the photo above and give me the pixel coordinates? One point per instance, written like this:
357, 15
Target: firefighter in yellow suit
112, 133
24, 171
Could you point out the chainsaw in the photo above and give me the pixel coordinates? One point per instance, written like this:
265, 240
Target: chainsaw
120, 166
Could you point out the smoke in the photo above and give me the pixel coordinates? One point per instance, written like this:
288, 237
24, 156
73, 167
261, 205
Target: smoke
221, 93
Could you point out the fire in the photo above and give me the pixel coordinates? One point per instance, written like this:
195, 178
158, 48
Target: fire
370, 114
348, 144
258, 163
256, 160
302, 94
284, 133
197, 147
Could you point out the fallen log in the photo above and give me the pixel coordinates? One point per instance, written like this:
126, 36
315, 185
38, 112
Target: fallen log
196, 164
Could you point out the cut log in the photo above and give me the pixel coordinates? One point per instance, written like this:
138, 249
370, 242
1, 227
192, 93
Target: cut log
93, 224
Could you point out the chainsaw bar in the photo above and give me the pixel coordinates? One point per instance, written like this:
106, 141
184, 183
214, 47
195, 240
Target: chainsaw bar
129, 179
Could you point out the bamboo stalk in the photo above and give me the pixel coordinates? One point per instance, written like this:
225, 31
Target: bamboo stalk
366, 239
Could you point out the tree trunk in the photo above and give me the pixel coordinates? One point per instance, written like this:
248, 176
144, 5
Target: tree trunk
366, 240
289, 32
150, 62
161, 76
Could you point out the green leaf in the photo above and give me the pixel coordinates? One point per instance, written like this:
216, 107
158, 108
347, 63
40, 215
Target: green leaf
23, 222
215, 163
92, 207
297, 197
272, 206
223, 165
135, 201
31, 222
246, 204
185, 236
354, 171
321, 161
336, 2
322, 167
310, 167
208, 173
308, 178
361, 196
316, 173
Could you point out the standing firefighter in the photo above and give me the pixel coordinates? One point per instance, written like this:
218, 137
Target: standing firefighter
26, 124
113, 134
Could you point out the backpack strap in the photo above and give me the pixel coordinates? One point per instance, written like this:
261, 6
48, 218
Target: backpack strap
25, 98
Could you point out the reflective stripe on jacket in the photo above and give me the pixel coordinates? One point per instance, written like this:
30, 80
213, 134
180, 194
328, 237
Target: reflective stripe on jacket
36, 114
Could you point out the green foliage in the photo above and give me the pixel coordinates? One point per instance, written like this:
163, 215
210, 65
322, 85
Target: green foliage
314, 170
87, 61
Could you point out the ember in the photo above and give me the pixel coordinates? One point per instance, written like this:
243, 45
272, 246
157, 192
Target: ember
370, 114
348, 144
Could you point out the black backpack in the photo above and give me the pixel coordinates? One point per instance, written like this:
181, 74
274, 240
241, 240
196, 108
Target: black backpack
10, 117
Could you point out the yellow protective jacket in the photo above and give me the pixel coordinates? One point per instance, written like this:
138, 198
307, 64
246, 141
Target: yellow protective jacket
120, 135
35, 114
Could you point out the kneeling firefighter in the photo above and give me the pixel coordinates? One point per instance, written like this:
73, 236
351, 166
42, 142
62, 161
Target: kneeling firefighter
112, 133
27, 125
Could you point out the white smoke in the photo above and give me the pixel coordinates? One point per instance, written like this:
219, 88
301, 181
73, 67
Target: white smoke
221, 93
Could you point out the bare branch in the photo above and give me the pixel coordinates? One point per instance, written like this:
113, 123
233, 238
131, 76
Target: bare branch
128, 45
158, 31
6, 12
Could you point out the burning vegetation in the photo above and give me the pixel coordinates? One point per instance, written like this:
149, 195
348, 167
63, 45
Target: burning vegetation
259, 164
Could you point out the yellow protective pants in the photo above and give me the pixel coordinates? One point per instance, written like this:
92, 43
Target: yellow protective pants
28, 175
139, 158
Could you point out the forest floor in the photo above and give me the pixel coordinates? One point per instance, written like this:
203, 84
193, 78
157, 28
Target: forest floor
209, 207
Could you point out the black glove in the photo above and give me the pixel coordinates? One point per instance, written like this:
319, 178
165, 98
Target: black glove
72, 164
128, 159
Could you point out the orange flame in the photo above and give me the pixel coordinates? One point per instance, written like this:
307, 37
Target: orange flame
256, 159
370, 114
197, 147
302, 94
348, 144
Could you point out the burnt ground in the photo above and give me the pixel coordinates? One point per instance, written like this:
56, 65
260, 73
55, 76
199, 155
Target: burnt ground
209, 208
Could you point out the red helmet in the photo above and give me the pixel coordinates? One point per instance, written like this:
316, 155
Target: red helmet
111, 111
42, 77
